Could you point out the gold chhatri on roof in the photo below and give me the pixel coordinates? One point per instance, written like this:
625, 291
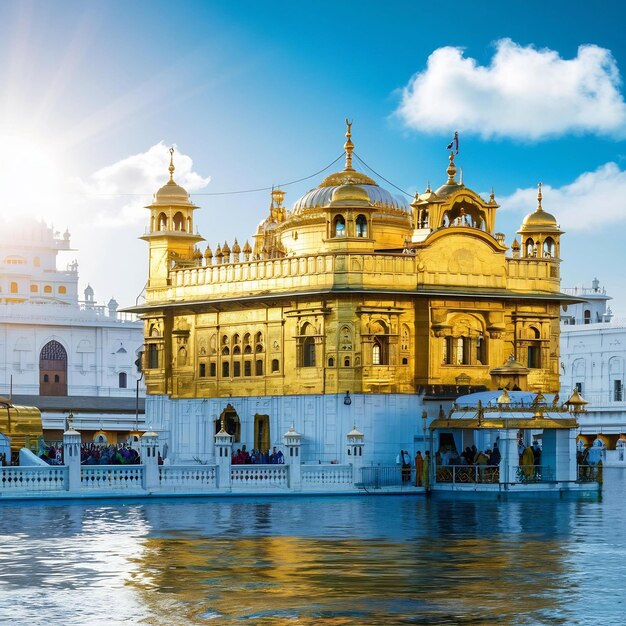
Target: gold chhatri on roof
172, 168
348, 146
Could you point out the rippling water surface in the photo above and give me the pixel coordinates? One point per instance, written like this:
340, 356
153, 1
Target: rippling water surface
317, 560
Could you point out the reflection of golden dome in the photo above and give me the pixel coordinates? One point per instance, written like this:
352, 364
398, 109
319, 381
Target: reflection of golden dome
350, 194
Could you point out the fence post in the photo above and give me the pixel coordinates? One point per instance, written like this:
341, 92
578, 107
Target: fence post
293, 443
150, 460
223, 451
355, 452
71, 458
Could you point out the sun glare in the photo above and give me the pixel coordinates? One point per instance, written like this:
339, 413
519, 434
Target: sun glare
30, 177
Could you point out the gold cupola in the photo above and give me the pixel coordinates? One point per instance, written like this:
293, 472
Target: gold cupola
171, 233
539, 220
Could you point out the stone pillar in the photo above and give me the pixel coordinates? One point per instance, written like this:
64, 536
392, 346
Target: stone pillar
355, 453
71, 458
293, 444
509, 455
223, 453
150, 461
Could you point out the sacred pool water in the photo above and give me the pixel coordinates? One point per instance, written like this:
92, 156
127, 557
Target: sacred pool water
314, 560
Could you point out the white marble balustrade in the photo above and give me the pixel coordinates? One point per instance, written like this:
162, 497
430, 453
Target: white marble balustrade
116, 477
187, 477
323, 476
259, 477
33, 479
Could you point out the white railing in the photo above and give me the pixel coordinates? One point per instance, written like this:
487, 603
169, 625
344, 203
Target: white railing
116, 477
187, 476
33, 479
259, 476
324, 475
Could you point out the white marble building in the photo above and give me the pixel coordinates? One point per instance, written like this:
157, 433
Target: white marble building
593, 360
58, 353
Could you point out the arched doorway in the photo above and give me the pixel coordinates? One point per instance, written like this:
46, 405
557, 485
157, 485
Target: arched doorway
53, 370
229, 421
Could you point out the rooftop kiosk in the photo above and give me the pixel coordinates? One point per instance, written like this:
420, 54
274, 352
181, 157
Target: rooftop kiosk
535, 437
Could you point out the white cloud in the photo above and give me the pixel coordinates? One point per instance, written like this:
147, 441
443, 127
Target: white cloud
525, 93
117, 193
591, 202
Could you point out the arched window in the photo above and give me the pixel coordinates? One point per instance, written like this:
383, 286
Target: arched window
122, 380
380, 343
34, 289
247, 368
275, 366
237, 369
361, 226
13, 287
549, 248
530, 248
339, 226
587, 316
534, 348
331, 362
47, 289
308, 352
225, 369
236, 350
162, 220
182, 357
376, 353
53, 367
423, 219
62, 290
179, 222
259, 367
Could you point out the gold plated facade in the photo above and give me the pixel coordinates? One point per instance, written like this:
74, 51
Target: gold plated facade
352, 290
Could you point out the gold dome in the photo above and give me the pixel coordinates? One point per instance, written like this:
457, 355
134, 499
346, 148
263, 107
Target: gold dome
539, 220
347, 177
350, 194
171, 194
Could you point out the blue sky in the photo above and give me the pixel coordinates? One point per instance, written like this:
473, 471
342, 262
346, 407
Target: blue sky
255, 94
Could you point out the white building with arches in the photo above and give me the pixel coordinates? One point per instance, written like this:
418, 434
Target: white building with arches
593, 360
58, 353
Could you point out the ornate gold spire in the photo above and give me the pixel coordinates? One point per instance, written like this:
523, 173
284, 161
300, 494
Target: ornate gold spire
348, 146
172, 168
451, 171
539, 199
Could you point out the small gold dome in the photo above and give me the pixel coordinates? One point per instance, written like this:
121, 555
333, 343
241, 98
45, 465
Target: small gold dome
539, 220
171, 193
350, 194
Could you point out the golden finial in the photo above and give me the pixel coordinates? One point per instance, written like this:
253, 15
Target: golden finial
428, 189
451, 171
171, 168
492, 196
348, 146
539, 199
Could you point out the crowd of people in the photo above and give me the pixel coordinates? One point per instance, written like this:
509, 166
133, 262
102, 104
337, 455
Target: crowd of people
94, 454
470, 456
256, 457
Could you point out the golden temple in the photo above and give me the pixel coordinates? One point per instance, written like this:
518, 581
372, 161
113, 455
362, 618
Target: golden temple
351, 290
